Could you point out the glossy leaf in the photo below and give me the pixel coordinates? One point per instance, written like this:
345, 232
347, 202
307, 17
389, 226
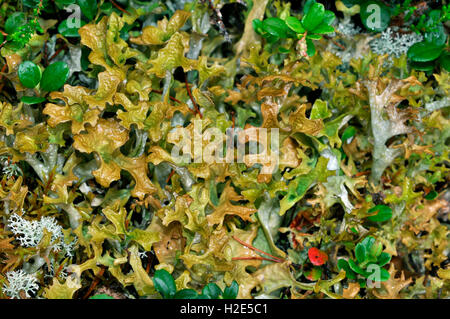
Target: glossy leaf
29, 74
424, 52
231, 291
164, 283
88, 7
54, 76
314, 16
383, 213
32, 99
211, 291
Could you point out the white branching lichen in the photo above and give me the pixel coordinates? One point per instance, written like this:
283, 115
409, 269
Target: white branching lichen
19, 281
30, 233
394, 43
9, 168
347, 28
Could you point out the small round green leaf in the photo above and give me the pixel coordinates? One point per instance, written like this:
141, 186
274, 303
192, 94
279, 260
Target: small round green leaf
164, 283
368, 242
356, 268
32, 99
211, 291
14, 21
275, 27
314, 16
88, 7
231, 291
431, 195
257, 26
424, 52
384, 274
311, 48
323, 28
295, 25
186, 294
383, 259
29, 74
54, 76
444, 60
343, 264
384, 213
375, 250
360, 253
349, 132
436, 36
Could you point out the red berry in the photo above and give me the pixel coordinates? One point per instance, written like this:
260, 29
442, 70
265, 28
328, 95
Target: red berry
317, 256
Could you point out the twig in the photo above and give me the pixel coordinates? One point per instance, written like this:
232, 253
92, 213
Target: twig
256, 249
255, 258
120, 8
170, 176
95, 282
57, 52
172, 98
1, 75
191, 97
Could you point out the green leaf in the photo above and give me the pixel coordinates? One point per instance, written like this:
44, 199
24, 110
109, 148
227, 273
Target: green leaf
275, 27
70, 32
437, 36
257, 26
32, 99
349, 132
423, 66
375, 15
88, 7
211, 291
311, 48
29, 74
323, 28
360, 253
54, 76
328, 17
164, 283
308, 5
101, 296
283, 50
444, 60
295, 25
383, 259
313, 36
375, 250
343, 264
14, 21
231, 291
424, 52
384, 213
431, 195
384, 274
368, 242
356, 268
314, 16
186, 294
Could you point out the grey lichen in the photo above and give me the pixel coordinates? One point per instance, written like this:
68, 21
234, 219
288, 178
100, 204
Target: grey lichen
386, 122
